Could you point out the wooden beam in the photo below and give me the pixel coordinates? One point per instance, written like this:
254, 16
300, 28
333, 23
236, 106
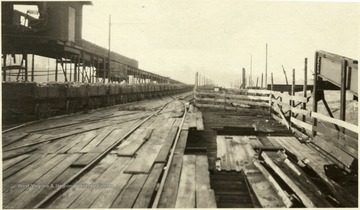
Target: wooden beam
274, 184
303, 197
32, 67
305, 89
341, 123
343, 91
315, 101
301, 124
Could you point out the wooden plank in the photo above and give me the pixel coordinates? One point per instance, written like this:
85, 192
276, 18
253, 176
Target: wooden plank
170, 122
26, 197
165, 150
129, 146
221, 151
202, 175
232, 101
228, 159
283, 119
70, 145
205, 199
299, 98
186, 193
82, 140
274, 184
108, 195
199, 121
11, 162
311, 190
55, 146
18, 152
30, 178
306, 113
252, 140
338, 122
111, 139
65, 199
301, 124
62, 178
170, 190
9, 139
128, 195
148, 153
85, 159
240, 157
334, 151
147, 191
303, 197
229, 108
22, 139
266, 195
237, 91
98, 139
9, 172
192, 120
88, 196
337, 136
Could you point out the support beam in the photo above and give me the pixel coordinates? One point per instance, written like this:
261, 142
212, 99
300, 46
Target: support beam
56, 69
343, 92
196, 80
4, 67
25, 57
305, 89
315, 101
32, 67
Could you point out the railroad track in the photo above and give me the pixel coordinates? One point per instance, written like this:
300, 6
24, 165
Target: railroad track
44, 198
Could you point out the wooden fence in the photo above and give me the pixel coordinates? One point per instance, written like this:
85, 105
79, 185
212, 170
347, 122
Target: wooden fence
333, 137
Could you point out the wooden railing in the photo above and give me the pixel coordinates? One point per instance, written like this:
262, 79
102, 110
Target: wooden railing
341, 145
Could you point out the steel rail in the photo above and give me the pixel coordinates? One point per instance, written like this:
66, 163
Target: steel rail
168, 164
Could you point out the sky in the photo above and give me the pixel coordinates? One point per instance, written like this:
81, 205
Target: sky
217, 38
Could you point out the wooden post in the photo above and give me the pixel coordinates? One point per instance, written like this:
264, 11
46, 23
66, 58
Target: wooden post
343, 92
26, 66
271, 95
4, 67
32, 67
76, 59
305, 89
315, 95
70, 68
56, 69
262, 80
292, 102
257, 81
196, 80
243, 78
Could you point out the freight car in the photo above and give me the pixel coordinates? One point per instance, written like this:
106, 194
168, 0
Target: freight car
44, 99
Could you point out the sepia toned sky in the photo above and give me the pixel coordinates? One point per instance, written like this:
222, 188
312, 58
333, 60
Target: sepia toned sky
180, 37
